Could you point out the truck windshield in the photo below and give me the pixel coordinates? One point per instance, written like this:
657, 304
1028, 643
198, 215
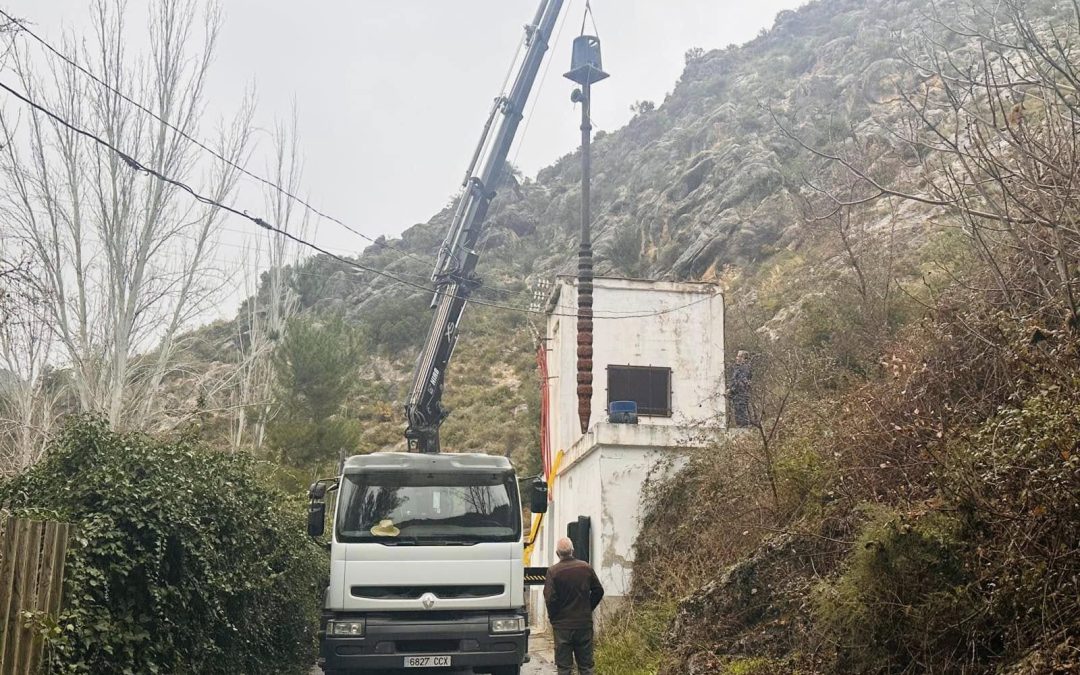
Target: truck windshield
430, 508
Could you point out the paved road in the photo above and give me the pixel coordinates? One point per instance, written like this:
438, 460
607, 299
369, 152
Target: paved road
540, 649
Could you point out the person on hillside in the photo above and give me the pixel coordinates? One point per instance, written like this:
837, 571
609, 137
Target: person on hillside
739, 389
571, 592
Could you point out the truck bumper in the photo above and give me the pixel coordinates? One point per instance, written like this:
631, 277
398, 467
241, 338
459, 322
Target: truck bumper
389, 640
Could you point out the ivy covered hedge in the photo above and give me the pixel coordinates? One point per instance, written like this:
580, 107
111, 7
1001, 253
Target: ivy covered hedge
182, 559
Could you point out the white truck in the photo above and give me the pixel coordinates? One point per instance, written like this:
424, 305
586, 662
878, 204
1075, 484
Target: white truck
426, 549
425, 564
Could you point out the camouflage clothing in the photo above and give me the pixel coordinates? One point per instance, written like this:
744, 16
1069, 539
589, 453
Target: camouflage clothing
739, 393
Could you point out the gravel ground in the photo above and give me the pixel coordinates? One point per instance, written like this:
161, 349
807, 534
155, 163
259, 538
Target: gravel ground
542, 651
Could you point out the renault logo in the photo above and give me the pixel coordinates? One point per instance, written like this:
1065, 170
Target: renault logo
428, 600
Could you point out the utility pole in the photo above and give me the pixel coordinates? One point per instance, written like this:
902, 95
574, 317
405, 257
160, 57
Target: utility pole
585, 69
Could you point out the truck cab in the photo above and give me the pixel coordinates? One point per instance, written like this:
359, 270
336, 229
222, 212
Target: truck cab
425, 565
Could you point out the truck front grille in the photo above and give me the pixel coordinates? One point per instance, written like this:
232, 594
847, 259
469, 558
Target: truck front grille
416, 592
427, 646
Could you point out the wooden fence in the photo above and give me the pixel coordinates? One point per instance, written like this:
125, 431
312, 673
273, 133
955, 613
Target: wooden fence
32, 556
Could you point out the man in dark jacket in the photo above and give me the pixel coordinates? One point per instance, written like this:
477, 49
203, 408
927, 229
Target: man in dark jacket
571, 593
739, 389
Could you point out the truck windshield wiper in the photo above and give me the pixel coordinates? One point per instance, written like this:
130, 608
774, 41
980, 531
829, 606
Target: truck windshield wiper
464, 540
417, 541
396, 541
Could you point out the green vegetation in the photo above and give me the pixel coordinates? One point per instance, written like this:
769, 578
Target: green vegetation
632, 640
922, 519
394, 326
316, 368
751, 666
903, 593
182, 559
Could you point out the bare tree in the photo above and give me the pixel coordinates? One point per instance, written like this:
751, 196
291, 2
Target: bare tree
13, 280
122, 256
28, 399
272, 300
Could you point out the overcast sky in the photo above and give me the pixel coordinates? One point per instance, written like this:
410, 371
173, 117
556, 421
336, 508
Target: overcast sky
392, 94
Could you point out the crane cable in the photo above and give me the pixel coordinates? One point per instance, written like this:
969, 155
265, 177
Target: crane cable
588, 14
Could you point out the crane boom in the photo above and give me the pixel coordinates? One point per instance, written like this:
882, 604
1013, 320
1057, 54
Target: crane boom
455, 271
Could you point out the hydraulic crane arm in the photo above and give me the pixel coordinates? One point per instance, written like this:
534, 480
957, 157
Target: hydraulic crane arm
455, 272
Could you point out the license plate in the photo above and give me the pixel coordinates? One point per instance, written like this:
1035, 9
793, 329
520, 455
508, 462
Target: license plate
427, 661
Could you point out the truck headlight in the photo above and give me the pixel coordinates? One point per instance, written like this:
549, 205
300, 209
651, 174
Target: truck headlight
508, 625
345, 628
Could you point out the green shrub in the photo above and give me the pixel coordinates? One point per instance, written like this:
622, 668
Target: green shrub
903, 595
803, 477
182, 560
752, 666
1016, 480
393, 325
632, 641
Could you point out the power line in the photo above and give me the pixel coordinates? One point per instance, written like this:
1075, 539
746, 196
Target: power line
382, 244
296, 268
137, 166
195, 141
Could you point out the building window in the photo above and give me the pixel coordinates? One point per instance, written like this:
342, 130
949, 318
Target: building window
650, 388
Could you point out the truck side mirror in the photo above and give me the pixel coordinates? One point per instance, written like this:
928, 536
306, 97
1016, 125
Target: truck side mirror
316, 519
538, 500
317, 491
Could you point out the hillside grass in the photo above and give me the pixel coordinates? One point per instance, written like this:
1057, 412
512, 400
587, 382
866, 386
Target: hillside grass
631, 642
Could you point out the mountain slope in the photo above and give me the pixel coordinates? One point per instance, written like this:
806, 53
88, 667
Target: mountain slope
704, 182
713, 184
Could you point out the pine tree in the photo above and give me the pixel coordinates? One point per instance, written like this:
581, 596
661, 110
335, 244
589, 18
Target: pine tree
315, 369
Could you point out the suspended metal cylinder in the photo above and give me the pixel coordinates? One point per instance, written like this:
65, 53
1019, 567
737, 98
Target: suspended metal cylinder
586, 65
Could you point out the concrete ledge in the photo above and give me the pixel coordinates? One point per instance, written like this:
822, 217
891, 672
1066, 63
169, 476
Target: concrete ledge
644, 437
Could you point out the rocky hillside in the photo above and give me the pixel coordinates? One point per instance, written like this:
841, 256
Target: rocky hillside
707, 183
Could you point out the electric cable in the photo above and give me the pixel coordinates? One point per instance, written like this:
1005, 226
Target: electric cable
197, 196
195, 141
266, 182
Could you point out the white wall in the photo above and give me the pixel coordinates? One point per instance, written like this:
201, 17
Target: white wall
602, 477
688, 337
578, 493
624, 472
604, 470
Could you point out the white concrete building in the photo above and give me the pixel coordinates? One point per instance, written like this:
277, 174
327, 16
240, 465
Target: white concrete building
660, 344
